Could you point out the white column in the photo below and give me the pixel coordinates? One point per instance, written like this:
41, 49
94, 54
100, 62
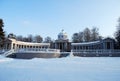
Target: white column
15, 47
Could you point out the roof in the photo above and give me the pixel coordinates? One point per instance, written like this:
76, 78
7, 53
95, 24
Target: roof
85, 43
94, 42
28, 43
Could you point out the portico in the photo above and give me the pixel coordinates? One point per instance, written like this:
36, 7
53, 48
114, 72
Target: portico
62, 42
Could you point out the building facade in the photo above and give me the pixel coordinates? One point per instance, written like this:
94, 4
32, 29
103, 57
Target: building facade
105, 44
14, 44
104, 47
62, 42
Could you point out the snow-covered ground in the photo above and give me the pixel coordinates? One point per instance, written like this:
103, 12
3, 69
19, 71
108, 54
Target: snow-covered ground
61, 69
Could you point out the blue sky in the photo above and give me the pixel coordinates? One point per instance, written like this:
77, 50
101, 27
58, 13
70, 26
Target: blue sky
49, 17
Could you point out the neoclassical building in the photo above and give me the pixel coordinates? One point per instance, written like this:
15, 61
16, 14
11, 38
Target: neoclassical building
101, 47
62, 42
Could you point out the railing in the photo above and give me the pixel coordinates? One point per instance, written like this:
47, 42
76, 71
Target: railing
37, 50
96, 51
7, 53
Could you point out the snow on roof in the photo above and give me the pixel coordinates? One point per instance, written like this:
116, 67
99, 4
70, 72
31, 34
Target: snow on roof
28, 43
86, 43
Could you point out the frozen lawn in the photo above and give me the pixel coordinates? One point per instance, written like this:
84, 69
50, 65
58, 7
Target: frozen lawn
61, 69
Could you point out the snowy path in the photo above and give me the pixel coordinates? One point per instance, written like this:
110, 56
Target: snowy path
61, 69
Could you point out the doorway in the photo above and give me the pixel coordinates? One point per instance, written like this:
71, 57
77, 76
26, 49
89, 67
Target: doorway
108, 45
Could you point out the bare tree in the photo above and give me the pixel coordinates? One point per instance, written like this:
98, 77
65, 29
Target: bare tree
94, 34
38, 39
87, 35
48, 39
30, 38
19, 38
81, 36
25, 39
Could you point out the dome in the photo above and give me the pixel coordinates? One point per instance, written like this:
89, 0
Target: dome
62, 35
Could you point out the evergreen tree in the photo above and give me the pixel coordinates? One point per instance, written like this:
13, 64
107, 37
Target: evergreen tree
117, 34
11, 35
75, 38
2, 35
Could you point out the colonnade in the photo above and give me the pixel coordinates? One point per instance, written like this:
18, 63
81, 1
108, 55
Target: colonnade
86, 47
25, 45
93, 46
61, 45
